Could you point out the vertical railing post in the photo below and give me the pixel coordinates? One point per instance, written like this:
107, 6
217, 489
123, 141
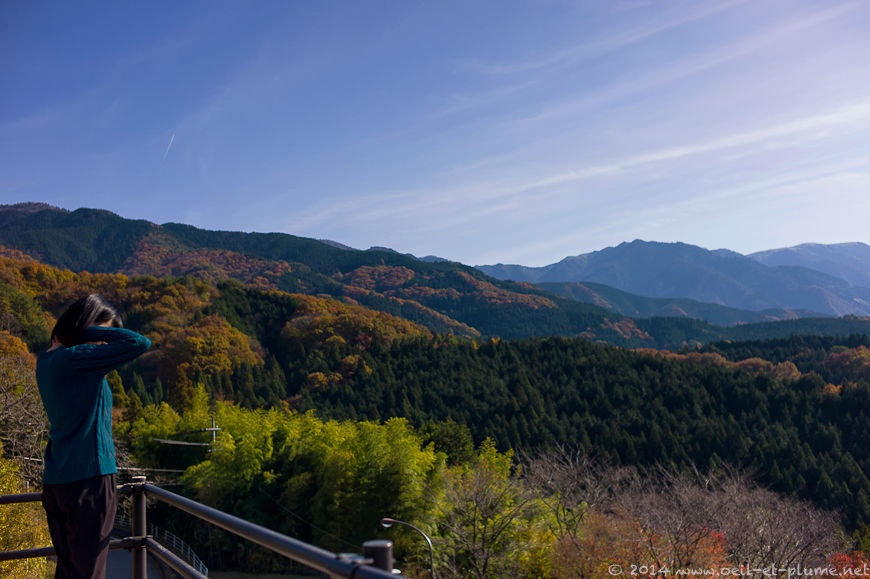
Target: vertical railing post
139, 528
380, 552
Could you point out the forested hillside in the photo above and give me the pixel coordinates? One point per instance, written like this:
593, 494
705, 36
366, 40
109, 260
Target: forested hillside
790, 425
446, 297
341, 414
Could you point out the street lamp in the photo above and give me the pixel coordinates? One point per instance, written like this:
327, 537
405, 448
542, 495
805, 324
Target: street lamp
387, 522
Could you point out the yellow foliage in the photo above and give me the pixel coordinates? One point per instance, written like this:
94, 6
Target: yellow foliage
12, 345
318, 322
831, 390
22, 526
33, 278
786, 371
534, 559
163, 304
349, 364
318, 380
211, 345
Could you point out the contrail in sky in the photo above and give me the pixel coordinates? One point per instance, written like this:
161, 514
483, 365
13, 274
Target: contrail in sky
169, 146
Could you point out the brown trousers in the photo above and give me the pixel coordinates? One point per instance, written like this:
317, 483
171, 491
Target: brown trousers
81, 515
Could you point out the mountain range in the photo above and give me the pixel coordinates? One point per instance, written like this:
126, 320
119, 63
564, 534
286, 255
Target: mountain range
850, 261
637, 306
774, 280
611, 295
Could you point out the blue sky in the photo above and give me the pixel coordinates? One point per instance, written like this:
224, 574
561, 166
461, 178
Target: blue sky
483, 132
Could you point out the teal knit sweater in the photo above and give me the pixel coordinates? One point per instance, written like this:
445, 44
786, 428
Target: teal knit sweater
78, 401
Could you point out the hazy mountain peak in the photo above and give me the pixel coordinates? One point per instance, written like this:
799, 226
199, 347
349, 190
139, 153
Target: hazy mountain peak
677, 269
849, 261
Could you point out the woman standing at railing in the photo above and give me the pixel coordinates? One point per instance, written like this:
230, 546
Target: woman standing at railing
79, 495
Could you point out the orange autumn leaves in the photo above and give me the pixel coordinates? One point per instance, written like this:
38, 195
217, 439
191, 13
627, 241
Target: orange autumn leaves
211, 346
318, 322
402, 282
157, 254
188, 340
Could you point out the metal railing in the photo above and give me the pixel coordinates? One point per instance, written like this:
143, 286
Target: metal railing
173, 542
376, 563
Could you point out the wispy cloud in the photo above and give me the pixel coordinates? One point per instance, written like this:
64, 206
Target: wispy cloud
710, 218
851, 117
565, 126
169, 146
509, 80
692, 65
587, 50
488, 198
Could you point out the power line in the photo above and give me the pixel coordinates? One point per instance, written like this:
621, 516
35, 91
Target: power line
310, 524
136, 468
181, 442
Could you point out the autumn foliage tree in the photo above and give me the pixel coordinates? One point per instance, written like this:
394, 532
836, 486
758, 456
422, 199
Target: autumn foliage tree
23, 422
484, 513
210, 346
660, 518
22, 526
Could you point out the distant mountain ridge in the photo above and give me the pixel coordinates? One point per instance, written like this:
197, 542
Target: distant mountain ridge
636, 306
679, 270
445, 296
850, 261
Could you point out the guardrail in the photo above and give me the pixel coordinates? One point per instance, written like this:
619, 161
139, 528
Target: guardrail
375, 563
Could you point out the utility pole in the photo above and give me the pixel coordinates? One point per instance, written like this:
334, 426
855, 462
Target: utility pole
214, 428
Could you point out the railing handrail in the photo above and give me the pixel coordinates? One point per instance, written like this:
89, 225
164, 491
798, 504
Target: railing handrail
20, 498
169, 540
350, 565
341, 564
